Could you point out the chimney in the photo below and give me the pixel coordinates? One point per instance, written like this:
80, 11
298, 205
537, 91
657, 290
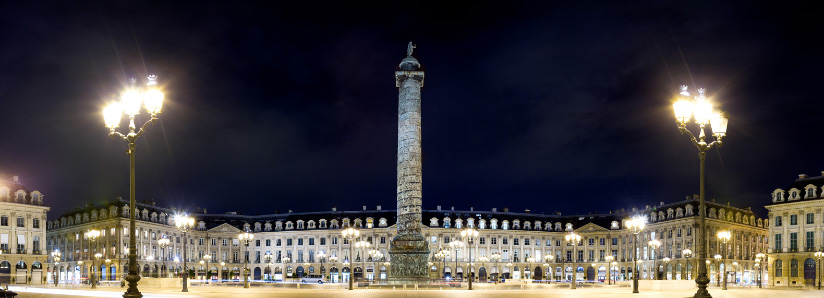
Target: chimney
290, 211
526, 210
471, 208
335, 209
695, 197
800, 176
439, 207
15, 178
494, 209
506, 209
661, 204
379, 207
364, 207
453, 208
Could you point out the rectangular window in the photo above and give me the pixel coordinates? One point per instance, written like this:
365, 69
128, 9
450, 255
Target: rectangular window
300, 241
288, 242
311, 241
810, 218
614, 241
793, 241
36, 224
810, 241
268, 242
506, 240
493, 240
777, 221
21, 222
482, 240
257, 243
591, 241
602, 241
4, 221
277, 242
199, 241
383, 240
323, 241
334, 240
514, 241
793, 219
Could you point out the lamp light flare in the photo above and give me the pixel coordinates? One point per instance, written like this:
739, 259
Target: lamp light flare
131, 100
702, 108
153, 98
718, 123
683, 111
112, 114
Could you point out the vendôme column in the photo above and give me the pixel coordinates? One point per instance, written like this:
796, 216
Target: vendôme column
409, 250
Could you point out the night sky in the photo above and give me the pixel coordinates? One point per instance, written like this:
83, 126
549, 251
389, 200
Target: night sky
292, 105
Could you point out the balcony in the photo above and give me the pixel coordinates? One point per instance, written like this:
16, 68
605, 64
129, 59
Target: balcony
36, 252
21, 251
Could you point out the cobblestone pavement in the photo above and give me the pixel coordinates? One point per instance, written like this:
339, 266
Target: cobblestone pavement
221, 291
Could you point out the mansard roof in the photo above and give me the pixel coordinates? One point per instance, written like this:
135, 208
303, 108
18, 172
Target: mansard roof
800, 184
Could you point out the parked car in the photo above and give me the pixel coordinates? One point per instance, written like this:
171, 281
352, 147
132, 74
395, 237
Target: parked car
313, 278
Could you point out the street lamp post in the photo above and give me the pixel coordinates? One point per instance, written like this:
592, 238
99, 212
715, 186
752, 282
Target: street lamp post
268, 259
702, 109
635, 226
495, 257
56, 259
455, 245
350, 234
818, 256
163, 242
758, 258
687, 253
573, 238
184, 223
483, 260
332, 261
363, 245
548, 259
245, 239
470, 234
108, 265
207, 258
92, 235
718, 272
285, 267
442, 254
529, 261
95, 269
609, 259
654, 244
129, 104
666, 264
615, 276
320, 256
724, 236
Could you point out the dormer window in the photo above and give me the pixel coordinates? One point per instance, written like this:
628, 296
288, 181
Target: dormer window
470, 222
516, 224
267, 226
278, 226
557, 226
322, 223
569, 227
810, 191
201, 225
794, 194
358, 223
311, 224
446, 222
334, 224
300, 224
494, 224
778, 195
382, 222
290, 225
257, 227
370, 222
482, 224
458, 223
433, 222
505, 225
537, 225
614, 225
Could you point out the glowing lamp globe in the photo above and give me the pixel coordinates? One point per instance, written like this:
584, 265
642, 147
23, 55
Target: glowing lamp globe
111, 114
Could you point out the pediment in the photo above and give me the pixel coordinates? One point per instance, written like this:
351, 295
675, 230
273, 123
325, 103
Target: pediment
224, 228
591, 227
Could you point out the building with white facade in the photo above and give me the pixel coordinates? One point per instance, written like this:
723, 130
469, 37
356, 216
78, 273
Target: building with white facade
22, 233
300, 237
797, 230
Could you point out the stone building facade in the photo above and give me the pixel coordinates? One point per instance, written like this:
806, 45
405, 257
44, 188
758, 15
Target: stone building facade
797, 231
517, 236
23, 250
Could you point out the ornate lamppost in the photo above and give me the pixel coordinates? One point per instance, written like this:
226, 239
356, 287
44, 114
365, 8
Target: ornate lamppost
56, 259
548, 259
666, 264
483, 260
207, 258
758, 258
320, 256
635, 226
687, 253
268, 259
529, 261
702, 109
129, 104
350, 234
609, 259
442, 254
654, 244
818, 256
163, 242
614, 276
184, 223
469, 235
245, 239
718, 272
332, 261
92, 235
363, 245
572, 238
495, 257
724, 236
95, 268
455, 245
